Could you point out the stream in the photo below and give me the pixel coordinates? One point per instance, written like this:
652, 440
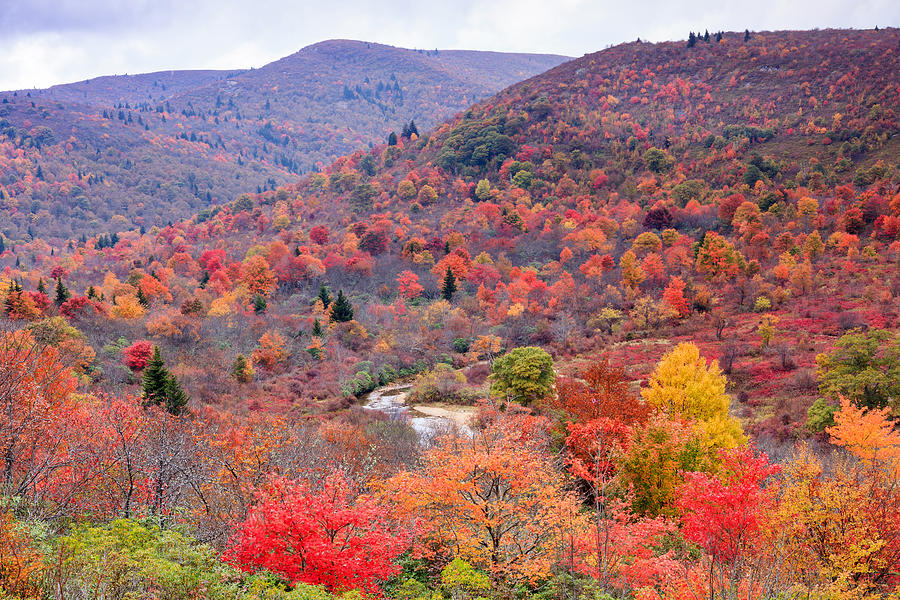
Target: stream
426, 420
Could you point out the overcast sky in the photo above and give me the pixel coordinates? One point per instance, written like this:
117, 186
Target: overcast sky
45, 42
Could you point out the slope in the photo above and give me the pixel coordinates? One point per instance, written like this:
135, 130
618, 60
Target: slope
740, 194
117, 152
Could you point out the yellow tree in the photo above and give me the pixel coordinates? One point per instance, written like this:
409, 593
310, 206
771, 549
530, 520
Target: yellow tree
684, 385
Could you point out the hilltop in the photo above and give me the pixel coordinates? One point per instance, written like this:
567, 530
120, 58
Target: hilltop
112, 153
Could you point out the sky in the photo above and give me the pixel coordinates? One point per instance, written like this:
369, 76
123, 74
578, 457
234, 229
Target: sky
46, 42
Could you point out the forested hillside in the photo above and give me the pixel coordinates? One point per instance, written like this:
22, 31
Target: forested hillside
658, 285
117, 152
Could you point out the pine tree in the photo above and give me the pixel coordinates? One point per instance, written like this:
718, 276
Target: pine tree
692, 39
746, 35
62, 294
41, 287
176, 399
324, 296
154, 379
92, 293
317, 328
448, 287
706, 36
160, 386
241, 369
204, 279
259, 304
392, 139
412, 128
342, 310
142, 298
2, 245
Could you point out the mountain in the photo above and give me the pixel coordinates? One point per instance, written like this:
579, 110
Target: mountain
743, 194
116, 152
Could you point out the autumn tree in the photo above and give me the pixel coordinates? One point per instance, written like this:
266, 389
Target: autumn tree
258, 277
727, 514
408, 285
37, 414
271, 353
331, 536
138, 355
494, 500
683, 385
673, 296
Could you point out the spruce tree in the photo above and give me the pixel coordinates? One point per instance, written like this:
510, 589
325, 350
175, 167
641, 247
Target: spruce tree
62, 294
241, 369
41, 287
392, 139
324, 296
448, 287
92, 293
142, 298
160, 386
176, 399
342, 310
692, 39
259, 304
2, 245
746, 35
155, 378
317, 328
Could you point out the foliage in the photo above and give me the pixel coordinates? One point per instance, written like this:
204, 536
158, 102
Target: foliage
865, 367
684, 385
523, 375
331, 536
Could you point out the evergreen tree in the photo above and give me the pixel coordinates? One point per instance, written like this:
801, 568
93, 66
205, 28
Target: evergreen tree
317, 328
746, 35
259, 304
176, 399
2, 245
448, 287
342, 311
204, 279
412, 128
241, 369
706, 36
692, 39
92, 293
154, 379
392, 139
41, 287
324, 296
62, 293
160, 386
142, 298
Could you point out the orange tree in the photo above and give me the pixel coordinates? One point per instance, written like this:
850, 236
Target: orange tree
495, 500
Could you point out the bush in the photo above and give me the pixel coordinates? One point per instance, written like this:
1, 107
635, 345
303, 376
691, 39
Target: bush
442, 384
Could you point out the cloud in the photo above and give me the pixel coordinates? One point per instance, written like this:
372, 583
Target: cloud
56, 41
